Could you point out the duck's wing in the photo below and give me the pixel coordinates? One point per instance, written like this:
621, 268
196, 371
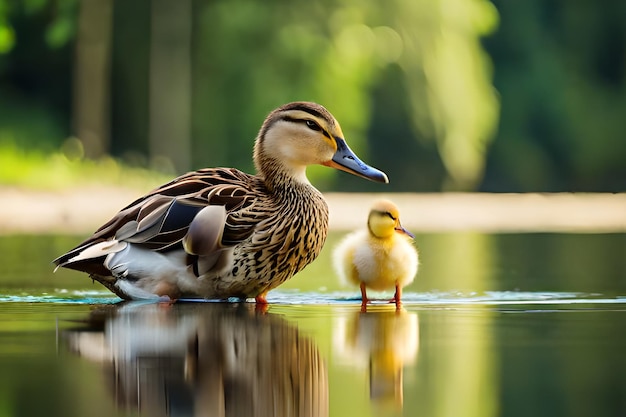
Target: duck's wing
161, 219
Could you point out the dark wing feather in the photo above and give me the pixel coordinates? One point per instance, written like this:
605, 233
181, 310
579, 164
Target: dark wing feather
160, 219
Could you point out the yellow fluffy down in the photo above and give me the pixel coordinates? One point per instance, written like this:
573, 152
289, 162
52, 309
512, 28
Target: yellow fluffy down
379, 263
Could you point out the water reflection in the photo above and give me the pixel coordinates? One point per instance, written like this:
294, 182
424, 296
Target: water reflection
205, 359
382, 341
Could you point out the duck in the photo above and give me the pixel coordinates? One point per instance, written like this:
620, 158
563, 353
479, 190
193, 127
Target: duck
380, 257
220, 233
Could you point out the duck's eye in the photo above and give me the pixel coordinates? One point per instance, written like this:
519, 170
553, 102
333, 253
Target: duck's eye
312, 125
390, 215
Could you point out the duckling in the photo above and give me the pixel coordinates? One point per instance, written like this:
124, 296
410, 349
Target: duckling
381, 257
220, 233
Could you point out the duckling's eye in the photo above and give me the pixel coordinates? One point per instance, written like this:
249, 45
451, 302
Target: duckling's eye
391, 216
312, 125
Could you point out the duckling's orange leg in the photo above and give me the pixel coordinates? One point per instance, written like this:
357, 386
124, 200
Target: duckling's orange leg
364, 299
398, 296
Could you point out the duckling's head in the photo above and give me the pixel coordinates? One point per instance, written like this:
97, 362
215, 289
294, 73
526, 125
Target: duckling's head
300, 134
384, 220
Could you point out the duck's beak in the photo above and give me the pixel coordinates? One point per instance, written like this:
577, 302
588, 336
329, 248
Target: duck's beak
346, 160
402, 230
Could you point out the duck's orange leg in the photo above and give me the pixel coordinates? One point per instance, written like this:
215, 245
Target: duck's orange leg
260, 299
261, 305
168, 294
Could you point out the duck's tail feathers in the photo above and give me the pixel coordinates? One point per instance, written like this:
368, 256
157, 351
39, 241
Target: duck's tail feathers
80, 257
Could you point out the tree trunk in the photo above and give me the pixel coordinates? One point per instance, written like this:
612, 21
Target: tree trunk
92, 77
170, 85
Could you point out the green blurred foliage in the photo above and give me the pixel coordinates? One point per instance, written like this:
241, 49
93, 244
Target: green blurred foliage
560, 68
339, 54
7, 38
411, 81
55, 170
248, 58
35, 73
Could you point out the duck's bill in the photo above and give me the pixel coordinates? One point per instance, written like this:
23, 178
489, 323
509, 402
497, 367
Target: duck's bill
346, 160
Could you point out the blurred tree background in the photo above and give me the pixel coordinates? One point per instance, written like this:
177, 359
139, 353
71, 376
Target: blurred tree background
440, 94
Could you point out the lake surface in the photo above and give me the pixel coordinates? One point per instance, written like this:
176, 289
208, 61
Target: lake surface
494, 325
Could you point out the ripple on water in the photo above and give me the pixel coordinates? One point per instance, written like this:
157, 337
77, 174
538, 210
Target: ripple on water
298, 298
452, 298
60, 296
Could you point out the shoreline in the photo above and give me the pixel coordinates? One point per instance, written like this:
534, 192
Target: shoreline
83, 210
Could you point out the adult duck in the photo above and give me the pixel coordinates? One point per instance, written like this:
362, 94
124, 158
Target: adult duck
218, 233
380, 257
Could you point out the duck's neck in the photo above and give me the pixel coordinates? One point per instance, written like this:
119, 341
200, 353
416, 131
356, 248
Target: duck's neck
280, 178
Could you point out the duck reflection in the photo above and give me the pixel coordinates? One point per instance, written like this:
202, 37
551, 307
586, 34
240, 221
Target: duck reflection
208, 359
383, 342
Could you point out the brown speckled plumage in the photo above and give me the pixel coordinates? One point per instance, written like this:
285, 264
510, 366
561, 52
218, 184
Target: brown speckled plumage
219, 232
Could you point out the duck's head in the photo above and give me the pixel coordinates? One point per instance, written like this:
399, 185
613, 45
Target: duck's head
300, 134
384, 220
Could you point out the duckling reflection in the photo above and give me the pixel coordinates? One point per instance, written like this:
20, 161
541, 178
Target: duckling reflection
383, 342
205, 359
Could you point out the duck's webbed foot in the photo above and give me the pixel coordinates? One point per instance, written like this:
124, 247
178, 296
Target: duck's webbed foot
261, 298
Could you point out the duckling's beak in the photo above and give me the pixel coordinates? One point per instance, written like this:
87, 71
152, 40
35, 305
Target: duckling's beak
402, 230
346, 160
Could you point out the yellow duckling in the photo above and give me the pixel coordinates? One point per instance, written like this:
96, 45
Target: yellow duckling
219, 232
381, 257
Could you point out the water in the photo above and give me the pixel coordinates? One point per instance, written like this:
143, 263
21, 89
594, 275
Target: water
494, 325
